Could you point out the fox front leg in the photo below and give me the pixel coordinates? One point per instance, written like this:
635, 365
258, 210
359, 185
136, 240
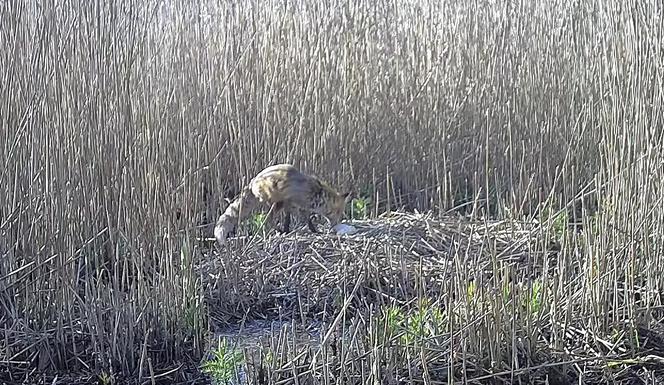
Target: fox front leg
309, 215
310, 224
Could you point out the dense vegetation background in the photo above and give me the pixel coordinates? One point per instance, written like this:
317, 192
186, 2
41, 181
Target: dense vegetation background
123, 125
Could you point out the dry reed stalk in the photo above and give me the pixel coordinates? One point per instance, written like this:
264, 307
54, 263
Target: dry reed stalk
123, 125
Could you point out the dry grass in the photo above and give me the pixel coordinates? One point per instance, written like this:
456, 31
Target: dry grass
123, 125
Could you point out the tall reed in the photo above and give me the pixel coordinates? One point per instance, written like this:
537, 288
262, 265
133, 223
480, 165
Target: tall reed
123, 125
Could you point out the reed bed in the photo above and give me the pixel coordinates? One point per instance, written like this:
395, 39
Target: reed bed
123, 126
411, 298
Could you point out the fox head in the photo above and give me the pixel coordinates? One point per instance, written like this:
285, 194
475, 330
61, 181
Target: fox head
336, 206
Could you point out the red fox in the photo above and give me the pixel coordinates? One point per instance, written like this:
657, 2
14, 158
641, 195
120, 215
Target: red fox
284, 187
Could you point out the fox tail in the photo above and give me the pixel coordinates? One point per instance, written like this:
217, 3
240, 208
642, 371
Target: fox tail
235, 212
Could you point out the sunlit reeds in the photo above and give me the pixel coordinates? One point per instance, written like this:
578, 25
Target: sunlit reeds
122, 127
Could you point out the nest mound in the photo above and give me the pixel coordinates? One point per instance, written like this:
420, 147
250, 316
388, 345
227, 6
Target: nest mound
487, 283
393, 258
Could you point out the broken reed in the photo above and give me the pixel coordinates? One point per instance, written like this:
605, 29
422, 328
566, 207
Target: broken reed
123, 125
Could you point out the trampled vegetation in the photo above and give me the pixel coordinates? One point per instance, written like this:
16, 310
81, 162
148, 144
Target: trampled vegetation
528, 133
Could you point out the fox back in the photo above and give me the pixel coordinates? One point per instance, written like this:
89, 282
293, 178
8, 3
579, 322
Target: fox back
283, 183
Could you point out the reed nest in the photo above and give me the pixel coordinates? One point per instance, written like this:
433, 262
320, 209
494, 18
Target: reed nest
492, 285
395, 255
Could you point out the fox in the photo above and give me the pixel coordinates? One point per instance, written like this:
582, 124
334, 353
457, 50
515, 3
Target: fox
283, 187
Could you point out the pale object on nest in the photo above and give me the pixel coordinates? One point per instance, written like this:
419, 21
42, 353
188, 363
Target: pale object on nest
343, 229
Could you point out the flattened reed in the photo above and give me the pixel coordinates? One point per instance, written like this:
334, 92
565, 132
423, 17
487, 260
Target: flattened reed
414, 298
401, 256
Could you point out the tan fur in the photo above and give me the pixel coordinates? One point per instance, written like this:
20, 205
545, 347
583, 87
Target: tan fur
283, 187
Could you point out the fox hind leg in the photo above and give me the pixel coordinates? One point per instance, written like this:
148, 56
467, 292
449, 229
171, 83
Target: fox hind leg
287, 219
289, 209
274, 209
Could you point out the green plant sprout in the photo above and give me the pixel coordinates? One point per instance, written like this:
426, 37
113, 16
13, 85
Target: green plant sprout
359, 207
224, 363
256, 222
